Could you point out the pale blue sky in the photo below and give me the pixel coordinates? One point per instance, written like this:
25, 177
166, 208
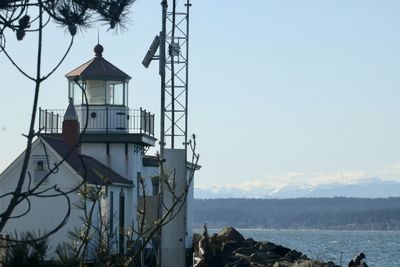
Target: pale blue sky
281, 92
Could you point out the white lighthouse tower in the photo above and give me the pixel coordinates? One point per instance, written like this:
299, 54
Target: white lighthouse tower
114, 135
98, 140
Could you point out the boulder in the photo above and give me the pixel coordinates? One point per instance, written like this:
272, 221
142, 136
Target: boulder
293, 255
195, 241
283, 264
214, 239
331, 264
249, 242
258, 258
201, 263
241, 263
263, 257
312, 263
280, 250
226, 260
230, 234
244, 252
304, 257
263, 245
215, 245
229, 246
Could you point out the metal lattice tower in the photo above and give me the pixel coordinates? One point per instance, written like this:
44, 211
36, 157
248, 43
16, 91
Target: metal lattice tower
174, 66
173, 47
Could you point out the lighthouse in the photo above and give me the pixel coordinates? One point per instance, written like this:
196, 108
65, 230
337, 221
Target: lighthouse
100, 141
110, 133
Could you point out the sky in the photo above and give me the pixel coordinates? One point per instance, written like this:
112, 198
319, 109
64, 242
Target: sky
281, 93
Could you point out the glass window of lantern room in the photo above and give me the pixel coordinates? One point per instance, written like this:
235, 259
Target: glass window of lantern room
96, 92
71, 89
115, 93
109, 93
126, 94
119, 93
75, 92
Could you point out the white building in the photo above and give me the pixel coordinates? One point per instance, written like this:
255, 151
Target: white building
110, 154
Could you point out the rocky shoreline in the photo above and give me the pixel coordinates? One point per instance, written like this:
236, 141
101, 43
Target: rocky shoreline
229, 248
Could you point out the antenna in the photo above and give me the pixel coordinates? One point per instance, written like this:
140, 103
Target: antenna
150, 55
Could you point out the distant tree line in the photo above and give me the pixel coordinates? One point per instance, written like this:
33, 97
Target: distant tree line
302, 213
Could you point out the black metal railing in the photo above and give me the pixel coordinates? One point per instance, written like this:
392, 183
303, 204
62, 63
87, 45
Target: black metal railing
101, 120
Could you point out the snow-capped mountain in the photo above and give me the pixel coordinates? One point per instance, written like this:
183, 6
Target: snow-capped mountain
368, 188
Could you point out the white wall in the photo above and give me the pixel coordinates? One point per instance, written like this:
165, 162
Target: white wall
173, 234
45, 213
106, 120
189, 212
147, 174
125, 165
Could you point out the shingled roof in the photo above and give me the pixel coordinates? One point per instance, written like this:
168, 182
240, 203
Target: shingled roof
87, 167
97, 69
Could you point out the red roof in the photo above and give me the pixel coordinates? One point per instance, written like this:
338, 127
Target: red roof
91, 170
98, 69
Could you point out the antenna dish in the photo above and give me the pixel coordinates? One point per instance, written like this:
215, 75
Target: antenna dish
151, 52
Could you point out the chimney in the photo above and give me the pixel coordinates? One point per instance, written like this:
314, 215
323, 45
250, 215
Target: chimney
70, 128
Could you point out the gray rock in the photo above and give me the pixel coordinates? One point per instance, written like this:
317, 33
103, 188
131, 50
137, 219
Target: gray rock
330, 264
258, 258
249, 242
263, 257
312, 263
245, 252
238, 263
227, 260
293, 255
242, 264
269, 246
230, 249
201, 263
280, 250
230, 246
265, 245
283, 264
304, 257
230, 234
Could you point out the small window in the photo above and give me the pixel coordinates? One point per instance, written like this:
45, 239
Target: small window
111, 213
40, 165
155, 184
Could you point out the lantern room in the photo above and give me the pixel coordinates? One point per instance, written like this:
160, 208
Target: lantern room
100, 89
101, 81
98, 92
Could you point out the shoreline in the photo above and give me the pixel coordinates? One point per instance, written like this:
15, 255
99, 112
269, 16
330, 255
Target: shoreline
230, 248
199, 227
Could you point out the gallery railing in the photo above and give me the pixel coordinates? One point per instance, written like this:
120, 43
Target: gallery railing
108, 119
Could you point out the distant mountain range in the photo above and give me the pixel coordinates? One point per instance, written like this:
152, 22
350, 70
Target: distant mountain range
368, 188
335, 213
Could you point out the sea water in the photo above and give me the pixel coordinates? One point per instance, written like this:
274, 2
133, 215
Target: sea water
382, 248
